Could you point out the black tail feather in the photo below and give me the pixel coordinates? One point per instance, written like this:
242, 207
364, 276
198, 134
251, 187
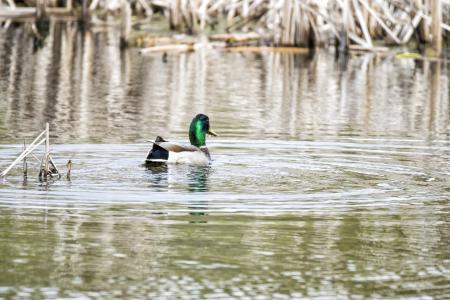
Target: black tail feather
157, 152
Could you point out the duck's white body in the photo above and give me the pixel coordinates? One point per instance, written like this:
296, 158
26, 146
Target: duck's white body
174, 153
188, 157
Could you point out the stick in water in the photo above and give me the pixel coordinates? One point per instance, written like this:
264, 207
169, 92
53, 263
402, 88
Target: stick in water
25, 165
69, 168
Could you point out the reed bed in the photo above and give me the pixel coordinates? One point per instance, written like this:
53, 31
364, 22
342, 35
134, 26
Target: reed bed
357, 24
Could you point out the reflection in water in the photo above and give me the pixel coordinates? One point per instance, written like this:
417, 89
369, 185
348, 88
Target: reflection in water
90, 91
172, 177
167, 176
435, 107
158, 173
198, 178
110, 252
198, 182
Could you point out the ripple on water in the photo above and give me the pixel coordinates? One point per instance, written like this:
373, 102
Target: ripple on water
254, 176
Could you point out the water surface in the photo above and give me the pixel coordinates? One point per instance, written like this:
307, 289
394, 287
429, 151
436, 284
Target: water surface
330, 179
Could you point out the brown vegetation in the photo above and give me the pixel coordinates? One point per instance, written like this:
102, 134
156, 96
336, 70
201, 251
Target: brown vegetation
357, 24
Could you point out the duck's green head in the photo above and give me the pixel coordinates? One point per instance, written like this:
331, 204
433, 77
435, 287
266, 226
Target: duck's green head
198, 130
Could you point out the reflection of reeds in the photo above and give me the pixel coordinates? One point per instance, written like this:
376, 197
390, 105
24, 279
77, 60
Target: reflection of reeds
89, 90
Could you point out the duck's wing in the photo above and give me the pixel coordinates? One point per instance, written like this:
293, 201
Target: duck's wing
174, 147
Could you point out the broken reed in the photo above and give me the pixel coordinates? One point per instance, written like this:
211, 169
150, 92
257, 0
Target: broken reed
47, 167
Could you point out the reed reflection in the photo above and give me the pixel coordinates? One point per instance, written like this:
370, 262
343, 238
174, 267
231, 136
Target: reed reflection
309, 254
91, 91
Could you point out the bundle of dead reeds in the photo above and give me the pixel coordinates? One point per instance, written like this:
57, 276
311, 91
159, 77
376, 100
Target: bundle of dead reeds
358, 24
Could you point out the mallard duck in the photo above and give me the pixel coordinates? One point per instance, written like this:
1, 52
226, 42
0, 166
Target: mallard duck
196, 153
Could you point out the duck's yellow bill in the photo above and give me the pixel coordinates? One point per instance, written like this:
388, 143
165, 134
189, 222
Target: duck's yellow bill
211, 132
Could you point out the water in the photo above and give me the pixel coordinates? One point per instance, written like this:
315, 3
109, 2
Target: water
329, 180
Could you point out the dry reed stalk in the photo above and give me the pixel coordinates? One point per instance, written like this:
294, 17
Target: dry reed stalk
85, 11
11, 3
362, 23
167, 48
410, 31
146, 7
203, 14
94, 4
436, 30
380, 21
314, 27
343, 35
25, 164
25, 153
174, 14
46, 161
193, 15
125, 26
423, 31
297, 50
47, 148
286, 23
